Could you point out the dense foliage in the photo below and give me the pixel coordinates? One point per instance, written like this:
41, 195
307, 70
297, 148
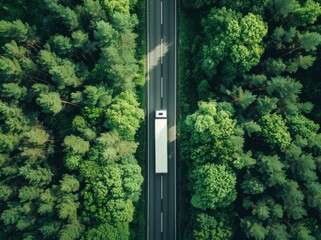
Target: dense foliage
68, 118
251, 145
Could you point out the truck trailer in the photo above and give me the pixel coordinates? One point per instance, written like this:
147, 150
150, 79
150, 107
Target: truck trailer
161, 161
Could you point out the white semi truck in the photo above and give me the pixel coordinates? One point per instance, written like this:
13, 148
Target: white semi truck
161, 161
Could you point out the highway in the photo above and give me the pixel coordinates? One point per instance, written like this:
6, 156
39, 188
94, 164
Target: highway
161, 88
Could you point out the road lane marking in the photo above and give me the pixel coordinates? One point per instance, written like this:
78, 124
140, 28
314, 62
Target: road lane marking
161, 50
161, 12
162, 186
162, 87
161, 222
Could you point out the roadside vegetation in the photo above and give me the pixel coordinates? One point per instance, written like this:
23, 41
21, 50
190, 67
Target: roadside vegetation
250, 142
72, 78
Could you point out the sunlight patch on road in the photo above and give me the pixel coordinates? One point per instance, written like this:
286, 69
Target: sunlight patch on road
156, 54
171, 134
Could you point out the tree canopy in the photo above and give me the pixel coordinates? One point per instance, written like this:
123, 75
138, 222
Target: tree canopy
250, 140
69, 113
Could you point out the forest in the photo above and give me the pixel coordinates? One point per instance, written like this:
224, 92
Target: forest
70, 107
250, 142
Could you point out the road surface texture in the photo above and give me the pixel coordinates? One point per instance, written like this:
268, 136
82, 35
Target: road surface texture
161, 90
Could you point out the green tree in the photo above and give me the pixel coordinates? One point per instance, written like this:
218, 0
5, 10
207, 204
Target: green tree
76, 144
302, 232
105, 33
50, 102
306, 14
280, 36
275, 67
10, 69
213, 135
63, 171
107, 231
117, 6
12, 50
302, 61
286, 89
274, 131
210, 228
265, 105
309, 41
314, 194
64, 75
66, 15
83, 127
230, 55
214, 187
238, 48
92, 96
278, 231
252, 185
104, 192
273, 170
241, 97
254, 229
256, 7
124, 115
15, 30
61, 45
281, 9
13, 90
293, 200
80, 40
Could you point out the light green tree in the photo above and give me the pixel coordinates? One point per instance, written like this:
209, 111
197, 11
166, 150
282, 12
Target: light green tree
274, 131
76, 144
50, 102
15, 30
208, 227
124, 115
238, 48
214, 187
212, 133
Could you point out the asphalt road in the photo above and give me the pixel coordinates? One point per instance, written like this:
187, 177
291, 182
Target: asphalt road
161, 93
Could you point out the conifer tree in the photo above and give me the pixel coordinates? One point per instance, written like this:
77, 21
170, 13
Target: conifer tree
67, 16
293, 200
15, 30
254, 229
10, 70
13, 90
272, 170
50, 102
